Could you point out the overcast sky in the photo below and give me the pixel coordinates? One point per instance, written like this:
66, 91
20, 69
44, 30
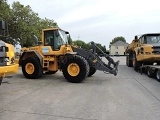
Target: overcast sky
100, 20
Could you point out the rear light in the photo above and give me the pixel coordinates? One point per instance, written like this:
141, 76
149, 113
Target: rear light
6, 59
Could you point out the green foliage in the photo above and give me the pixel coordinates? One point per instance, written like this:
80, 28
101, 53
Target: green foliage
81, 44
87, 46
107, 51
118, 39
103, 48
5, 10
69, 41
23, 22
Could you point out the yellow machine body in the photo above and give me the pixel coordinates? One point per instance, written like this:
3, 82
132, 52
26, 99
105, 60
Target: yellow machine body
7, 63
144, 50
54, 53
46, 53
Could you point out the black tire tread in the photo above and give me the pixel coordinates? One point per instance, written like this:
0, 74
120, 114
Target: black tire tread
137, 63
38, 68
91, 71
84, 69
128, 61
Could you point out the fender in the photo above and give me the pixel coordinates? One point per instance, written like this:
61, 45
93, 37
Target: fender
27, 54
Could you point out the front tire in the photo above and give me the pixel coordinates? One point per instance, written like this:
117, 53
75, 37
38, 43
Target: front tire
75, 69
136, 64
32, 68
128, 61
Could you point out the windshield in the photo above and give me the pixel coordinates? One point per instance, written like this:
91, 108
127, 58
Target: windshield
153, 39
64, 35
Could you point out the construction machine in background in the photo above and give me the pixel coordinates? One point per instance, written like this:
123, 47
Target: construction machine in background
7, 55
144, 54
54, 53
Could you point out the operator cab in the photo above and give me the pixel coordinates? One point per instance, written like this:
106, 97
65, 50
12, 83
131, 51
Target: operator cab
55, 38
151, 39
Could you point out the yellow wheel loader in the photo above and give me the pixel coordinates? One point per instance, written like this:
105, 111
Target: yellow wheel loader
54, 53
7, 56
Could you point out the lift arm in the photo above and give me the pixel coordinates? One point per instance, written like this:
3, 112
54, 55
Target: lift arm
95, 61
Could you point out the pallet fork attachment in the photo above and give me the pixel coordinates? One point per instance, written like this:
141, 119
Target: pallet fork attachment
95, 61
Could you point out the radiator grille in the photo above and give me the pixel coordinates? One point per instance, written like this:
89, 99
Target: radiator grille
156, 50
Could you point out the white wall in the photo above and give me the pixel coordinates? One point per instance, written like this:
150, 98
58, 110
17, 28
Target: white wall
117, 50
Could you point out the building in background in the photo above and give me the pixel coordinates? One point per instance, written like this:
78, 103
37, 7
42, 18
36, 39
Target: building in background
118, 48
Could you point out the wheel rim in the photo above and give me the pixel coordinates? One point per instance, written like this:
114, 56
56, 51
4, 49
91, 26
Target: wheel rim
29, 68
73, 69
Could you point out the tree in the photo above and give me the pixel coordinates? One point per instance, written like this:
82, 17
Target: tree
23, 23
87, 46
103, 48
80, 43
5, 10
118, 39
5, 16
69, 40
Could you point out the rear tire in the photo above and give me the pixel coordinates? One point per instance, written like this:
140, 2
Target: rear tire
91, 71
75, 69
32, 68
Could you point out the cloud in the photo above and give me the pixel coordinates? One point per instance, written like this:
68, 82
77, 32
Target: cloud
100, 20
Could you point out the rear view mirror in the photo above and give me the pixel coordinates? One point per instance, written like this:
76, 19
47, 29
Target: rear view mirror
67, 32
136, 37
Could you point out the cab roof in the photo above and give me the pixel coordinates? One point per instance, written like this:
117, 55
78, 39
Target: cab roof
54, 28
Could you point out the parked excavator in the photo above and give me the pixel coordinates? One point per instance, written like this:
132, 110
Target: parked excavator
7, 55
54, 53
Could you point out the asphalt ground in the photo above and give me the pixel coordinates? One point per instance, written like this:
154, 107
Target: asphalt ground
127, 96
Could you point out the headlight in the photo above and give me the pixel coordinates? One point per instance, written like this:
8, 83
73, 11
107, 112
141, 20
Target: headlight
12, 60
6, 59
